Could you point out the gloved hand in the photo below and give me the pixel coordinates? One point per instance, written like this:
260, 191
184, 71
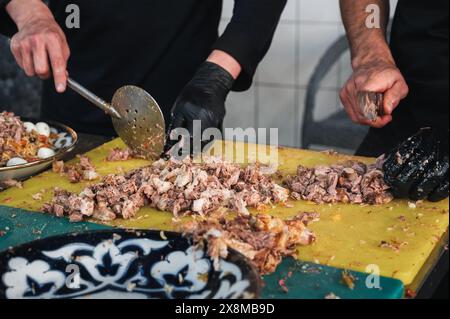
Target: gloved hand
203, 99
418, 168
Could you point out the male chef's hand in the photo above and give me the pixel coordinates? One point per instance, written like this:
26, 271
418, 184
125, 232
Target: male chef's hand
204, 96
418, 168
40, 46
374, 74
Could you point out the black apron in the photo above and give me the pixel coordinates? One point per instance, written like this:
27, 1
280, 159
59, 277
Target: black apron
419, 43
154, 44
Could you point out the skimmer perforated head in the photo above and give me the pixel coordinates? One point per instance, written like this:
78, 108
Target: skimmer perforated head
141, 125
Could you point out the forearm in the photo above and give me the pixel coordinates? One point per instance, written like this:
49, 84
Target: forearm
22, 11
366, 43
227, 62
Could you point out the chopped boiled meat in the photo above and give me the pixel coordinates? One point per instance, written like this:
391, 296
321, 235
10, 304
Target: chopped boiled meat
10, 183
11, 131
119, 154
349, 182
180, 187
371, 105
82, 171
11, 126
58, 167
263, 239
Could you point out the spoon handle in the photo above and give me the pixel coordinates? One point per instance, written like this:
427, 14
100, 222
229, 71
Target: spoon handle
88, 95
91, 97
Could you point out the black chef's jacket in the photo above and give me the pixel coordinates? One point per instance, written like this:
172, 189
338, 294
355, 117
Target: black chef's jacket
419, 42
154, 44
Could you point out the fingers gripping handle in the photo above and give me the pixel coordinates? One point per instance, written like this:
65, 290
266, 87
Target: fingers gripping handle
88, 95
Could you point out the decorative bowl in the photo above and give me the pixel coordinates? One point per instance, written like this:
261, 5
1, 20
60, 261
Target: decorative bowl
122, 264
20, 172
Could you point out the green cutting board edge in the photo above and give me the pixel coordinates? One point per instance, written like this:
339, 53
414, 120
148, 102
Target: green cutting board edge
303, 280
20, 226
311, 281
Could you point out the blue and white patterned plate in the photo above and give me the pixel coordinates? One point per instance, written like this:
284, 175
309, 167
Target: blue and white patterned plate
122, 264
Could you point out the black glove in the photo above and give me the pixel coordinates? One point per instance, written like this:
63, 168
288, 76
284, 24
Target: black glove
418, 168
203, 99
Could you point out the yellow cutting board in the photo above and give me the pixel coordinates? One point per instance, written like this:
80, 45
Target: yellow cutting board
348, 236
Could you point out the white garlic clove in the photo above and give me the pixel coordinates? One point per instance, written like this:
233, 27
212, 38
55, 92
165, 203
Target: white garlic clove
43, 129
29, 127
53, 130
45, 152
16, 161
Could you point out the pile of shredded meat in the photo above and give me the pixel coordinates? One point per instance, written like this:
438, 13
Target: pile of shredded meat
263, 239
119, 154
84, 170
180, 187
10, 127
10, 183
349, 182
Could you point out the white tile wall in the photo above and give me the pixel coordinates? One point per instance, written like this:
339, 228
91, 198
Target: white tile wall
290, 12
274, 68
319, 11
307, 28
277, 108
228, 6
241, 111
326, 103
315, 39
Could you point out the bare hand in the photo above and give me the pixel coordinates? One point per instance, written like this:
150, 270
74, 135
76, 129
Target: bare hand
375, 76
40, 47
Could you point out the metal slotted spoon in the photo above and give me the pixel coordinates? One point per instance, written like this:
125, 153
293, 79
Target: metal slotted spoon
136, 116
